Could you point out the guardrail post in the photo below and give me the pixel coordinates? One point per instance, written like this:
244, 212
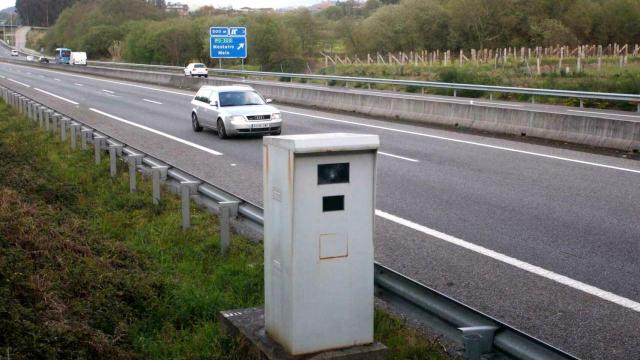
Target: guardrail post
581, 104
533, 99
134, 160
158, 174
64, 123
34, 111
74, 134
638, 110
41, 113
114, 150
47, 119
228, 209
29, 111
98, 140
455, 92
84, 135
55, 122
186, 189
478, 340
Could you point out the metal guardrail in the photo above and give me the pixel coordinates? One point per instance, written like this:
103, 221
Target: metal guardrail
479, 333
580, 95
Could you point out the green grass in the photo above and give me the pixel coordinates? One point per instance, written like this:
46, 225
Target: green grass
89, 270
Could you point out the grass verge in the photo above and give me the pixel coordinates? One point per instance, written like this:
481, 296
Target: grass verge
89, 270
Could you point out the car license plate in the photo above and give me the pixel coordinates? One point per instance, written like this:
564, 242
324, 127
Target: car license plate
260, 126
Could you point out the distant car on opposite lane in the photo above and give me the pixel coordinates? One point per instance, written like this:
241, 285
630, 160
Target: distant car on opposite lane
14, 53
43, 60
31, 58
196, 69
234, 110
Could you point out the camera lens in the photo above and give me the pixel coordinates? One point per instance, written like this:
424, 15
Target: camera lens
333, 173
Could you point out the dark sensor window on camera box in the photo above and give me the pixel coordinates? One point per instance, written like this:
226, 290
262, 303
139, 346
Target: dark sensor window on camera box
333, 203
337, 173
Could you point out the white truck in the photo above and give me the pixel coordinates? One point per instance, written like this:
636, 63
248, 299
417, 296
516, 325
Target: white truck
78, 58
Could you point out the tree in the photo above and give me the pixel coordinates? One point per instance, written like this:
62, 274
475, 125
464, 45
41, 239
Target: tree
41, 12
306, 28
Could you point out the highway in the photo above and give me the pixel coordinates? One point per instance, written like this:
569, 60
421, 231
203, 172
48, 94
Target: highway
544, 238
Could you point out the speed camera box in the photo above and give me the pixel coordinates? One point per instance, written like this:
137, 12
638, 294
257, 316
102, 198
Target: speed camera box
319, 195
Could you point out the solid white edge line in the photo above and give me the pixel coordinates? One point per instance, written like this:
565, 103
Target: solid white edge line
18, 82
56, 96
397, 156
467, 142
108, 91
575, 284
175, 138
603, 113
152, 101
77, 84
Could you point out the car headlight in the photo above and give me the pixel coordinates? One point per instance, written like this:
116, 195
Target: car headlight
236, 118
276, 116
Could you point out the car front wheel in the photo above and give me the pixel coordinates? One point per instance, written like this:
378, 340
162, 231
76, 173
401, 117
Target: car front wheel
195, 123
222, 132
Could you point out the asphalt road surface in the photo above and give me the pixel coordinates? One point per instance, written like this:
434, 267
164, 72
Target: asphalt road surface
544, 238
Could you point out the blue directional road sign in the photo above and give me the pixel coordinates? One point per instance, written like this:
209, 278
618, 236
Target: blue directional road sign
228, 42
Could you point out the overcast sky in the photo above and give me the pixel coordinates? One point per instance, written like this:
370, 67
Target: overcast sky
221, 3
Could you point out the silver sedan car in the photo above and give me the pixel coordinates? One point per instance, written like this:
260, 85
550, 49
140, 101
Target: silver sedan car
234, 110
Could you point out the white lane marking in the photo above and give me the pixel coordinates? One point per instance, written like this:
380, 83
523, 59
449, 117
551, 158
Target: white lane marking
575, 284
398, 156
2, 77
77, 84
56, 79
115, 82
56, 96
199, 147
108, 91
603, 113
468, 142
152, 101
18, 82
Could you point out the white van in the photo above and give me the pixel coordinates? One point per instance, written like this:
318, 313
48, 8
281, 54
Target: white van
78, 58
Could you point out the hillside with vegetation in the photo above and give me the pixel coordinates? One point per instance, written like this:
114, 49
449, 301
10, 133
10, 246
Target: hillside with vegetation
297, 40
298, 36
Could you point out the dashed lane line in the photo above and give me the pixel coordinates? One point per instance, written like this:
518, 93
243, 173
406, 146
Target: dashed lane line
398, 157
57, 96
168, 136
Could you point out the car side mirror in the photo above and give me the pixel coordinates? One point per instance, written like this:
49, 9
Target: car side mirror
213, 103
269, 101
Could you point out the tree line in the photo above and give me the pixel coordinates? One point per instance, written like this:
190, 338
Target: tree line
293, 40
46, 12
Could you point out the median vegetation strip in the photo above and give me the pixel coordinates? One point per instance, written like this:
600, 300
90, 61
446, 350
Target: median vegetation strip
89, 270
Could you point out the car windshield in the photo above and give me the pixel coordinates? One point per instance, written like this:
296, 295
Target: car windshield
198, 66
65, 53
240, 98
